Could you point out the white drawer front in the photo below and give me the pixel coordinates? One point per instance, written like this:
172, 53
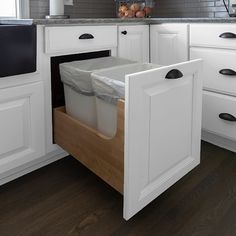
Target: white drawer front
209, 35
68, 38
214, 61
213, 105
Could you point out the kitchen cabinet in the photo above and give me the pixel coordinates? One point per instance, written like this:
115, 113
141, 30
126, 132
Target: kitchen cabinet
133, 42
162, 109
149, 120
65, 41
22, 125
169, 43
215, 44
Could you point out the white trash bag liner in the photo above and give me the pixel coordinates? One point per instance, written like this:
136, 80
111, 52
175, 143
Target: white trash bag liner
79, 95
109, 87
77, 74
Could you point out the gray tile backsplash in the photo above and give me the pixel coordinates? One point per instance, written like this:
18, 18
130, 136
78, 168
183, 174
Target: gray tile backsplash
39, 8
190, 8
80, 9
106, 8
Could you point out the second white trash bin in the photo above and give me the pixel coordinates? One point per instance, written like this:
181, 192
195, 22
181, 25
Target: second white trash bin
109, 86
79, 94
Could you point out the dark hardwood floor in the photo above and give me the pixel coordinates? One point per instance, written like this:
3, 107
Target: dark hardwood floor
65, 198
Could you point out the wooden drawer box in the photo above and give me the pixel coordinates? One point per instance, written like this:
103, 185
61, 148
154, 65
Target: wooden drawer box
215, 104
157, 140
217, 65
208, 35
79, 38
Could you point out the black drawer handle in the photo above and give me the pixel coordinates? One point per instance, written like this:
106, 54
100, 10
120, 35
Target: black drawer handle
124, 32
86, 36
227, 116
227, 72
228, 35
174, 74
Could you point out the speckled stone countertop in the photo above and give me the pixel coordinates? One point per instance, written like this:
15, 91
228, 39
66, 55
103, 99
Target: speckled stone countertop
85, 21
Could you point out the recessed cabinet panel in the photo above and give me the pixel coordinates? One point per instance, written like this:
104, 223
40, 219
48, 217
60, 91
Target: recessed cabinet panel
14, 128
133, 43
22, 131
173, 131
167, 47
169, 43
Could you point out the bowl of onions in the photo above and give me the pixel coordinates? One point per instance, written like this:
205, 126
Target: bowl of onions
132, 9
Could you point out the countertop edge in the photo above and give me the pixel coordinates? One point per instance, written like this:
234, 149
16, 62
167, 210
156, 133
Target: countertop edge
85, 21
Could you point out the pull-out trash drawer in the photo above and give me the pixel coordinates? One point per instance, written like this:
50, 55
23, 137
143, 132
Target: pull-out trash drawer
158, 134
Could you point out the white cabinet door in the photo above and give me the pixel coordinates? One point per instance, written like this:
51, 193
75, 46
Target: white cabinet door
169, 43
21, 125
133, 42
163, 131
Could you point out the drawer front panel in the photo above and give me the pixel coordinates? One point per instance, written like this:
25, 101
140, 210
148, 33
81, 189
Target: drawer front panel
215, 104
214, 61
79, 38
209, 35
160, 113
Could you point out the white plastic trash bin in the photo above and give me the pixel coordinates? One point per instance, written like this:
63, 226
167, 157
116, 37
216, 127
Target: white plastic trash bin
109, 86
79, 95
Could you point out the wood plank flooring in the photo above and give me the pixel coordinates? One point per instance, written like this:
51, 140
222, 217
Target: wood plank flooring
65, 198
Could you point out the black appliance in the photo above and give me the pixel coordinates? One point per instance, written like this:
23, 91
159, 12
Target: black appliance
18, 47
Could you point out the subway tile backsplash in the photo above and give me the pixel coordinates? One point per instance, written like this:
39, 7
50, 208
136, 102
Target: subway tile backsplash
106, 8
39, 8
190, 8
81, 9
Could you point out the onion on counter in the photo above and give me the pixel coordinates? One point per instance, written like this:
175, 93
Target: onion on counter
135, 7
147, 10
123, 8
140, 14
121, 14
129, 14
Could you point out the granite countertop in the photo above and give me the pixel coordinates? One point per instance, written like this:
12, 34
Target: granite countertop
85, 21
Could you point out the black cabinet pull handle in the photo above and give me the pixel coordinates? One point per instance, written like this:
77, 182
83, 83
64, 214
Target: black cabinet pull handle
228, 35
124, 32
227, 116
227, 72
174, 74
86, 36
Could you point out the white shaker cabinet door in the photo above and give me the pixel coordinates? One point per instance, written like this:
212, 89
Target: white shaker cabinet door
163, 131
169, 43
21, 125
133, 42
